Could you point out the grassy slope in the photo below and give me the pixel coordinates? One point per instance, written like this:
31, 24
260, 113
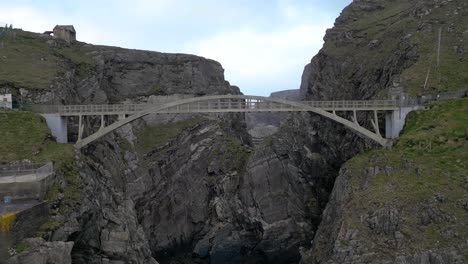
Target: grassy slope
430, 160
25, 135
28, 61
387, 26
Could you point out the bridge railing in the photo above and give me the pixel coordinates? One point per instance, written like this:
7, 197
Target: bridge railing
110, 108
219, 104
37, 170
352, 104
212, 105
229, 104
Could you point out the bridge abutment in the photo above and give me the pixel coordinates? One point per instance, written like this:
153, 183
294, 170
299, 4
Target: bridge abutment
58, 126
395, 121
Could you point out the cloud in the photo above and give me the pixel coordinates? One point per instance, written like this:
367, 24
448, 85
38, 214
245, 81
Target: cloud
31, 19
141, 9
259, 43
253, 56
26, 17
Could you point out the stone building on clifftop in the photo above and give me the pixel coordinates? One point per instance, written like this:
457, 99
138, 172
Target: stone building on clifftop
65, 32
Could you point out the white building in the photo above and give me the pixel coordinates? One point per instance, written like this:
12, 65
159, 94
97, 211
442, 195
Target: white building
6, 101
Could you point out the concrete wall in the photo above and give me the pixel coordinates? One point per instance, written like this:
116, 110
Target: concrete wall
25, 224
27, 190
58, 126
395, 121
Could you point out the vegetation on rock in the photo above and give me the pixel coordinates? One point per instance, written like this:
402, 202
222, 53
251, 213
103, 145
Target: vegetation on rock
34, 62
151, 137
421, 183
404, 35
25, 135
21, 246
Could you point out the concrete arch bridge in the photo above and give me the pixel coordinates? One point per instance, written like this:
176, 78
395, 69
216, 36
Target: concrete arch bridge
56, 115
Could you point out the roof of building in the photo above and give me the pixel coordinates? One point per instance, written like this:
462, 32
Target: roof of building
66, 27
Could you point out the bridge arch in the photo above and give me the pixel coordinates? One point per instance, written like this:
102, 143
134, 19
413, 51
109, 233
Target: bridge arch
281, 106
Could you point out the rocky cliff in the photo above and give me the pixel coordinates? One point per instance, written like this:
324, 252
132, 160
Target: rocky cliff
262, 125
398, 41
407, 204
167, 188
37, 68
377, 43
193, 189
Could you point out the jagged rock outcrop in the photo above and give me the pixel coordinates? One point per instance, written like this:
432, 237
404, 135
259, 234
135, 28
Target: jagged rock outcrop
83, 73
374, 216
293, 95
261, 125
103, 218
195, 190
209, 197
393, 38
374, 46
38, 251
181, 187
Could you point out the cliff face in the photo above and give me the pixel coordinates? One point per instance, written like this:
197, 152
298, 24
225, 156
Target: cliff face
166, 188
407, 204
193, 189
377, 43
37, 68
379, 211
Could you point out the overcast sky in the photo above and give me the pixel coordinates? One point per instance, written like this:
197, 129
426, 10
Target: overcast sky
263, 45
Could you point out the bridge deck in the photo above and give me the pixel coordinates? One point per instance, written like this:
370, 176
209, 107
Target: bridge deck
217, 106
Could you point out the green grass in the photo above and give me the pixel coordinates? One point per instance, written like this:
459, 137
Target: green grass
150, 137
236, 154
434, 143
28, 61
71, 189
452, 73
392, 23
20, 247
230, 155
25, 135
50, 225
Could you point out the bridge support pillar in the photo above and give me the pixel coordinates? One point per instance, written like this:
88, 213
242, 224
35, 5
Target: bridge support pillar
80, 127
58, 127
103, 122
395, 121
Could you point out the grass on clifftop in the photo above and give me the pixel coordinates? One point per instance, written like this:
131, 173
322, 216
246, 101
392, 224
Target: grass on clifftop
28, 61
427, 168
397, 23
25, 135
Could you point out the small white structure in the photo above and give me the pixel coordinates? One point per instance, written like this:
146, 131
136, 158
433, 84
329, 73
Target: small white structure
6, 101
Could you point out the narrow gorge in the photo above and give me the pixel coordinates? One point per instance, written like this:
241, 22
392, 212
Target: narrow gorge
249, 188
